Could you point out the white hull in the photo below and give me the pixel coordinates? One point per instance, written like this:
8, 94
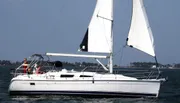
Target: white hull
85, 86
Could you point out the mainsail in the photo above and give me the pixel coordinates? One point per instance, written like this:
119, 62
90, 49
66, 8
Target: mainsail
98, 37
140, 34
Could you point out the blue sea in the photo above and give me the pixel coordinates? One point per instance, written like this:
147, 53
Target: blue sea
169, 93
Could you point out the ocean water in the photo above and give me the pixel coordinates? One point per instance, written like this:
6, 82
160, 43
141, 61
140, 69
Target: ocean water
169, 93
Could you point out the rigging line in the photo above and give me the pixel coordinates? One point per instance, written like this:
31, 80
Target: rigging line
104, 18
121, 53
119, 50
121, 56
157, 66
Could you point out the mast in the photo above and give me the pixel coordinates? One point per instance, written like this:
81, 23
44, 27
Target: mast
111, 51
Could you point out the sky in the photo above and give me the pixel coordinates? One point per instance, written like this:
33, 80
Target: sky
40, 26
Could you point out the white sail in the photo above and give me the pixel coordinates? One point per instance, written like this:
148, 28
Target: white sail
98, 35
140, 34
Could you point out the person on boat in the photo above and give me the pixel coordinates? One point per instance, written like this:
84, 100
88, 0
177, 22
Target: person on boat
25, 65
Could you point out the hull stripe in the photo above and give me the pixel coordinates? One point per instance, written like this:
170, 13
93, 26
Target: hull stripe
83, 93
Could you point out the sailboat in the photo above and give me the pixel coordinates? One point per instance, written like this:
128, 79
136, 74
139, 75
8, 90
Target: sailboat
98, 39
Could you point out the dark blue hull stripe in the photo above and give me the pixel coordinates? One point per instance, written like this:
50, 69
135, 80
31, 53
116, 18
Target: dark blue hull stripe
82, 93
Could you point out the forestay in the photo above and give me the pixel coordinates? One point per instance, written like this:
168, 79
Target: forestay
140, 34
98, 35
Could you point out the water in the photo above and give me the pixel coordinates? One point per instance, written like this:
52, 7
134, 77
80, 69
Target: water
169, 93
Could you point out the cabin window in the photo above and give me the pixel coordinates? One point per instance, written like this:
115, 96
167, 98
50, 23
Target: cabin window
32, 83
85, 76
66, 76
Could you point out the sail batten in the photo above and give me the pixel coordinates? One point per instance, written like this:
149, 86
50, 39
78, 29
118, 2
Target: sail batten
98, 35
140, 34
